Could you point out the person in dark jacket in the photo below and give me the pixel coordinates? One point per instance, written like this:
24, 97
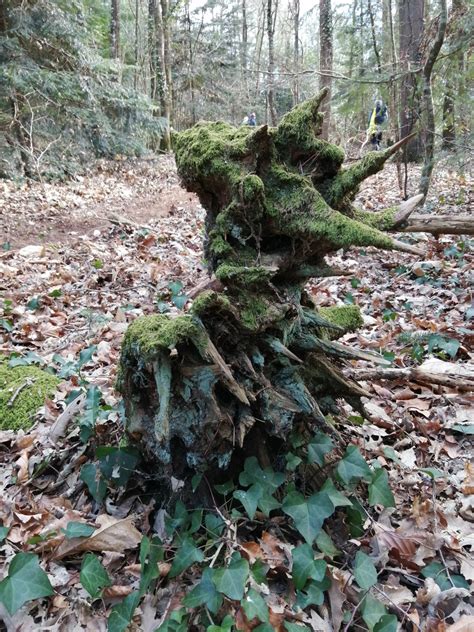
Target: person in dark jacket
252, 120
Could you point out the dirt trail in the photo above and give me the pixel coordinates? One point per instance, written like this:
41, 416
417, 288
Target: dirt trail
59, 213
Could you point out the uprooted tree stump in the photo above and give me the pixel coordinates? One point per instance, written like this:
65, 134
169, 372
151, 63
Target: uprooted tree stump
255, 360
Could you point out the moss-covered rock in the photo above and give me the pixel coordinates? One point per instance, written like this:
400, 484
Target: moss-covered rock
23, 390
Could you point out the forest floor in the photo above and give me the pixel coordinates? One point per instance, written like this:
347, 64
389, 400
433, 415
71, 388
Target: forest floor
80, 260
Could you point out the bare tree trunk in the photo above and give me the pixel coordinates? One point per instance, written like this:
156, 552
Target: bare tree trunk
325, 61
271, 14
374, 36
135, 72
411, 23
115, 29
428, 100
259, 46
165, 59
296, 51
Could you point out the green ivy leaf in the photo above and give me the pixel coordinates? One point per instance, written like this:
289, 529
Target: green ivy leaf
436, 571
250, 498
326, 545
26, 580
337, 498
93, 575
117, 464
372, 611
312, 596
259, 572
308, 515
180, 300
305, 566
121, 614
205, 593
151, 552
214, 525
319, 445
388, 623
78, 530
295, 627
3, 533
353, 467
253, 473
186, 555
225, 626
231, 581
96, 485
365, 572
379, 490
254, 606
292, 461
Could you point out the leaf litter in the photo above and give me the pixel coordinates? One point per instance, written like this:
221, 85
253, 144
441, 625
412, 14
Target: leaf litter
80, 261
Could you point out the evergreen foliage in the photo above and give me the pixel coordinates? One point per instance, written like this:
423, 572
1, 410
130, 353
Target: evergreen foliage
62, 102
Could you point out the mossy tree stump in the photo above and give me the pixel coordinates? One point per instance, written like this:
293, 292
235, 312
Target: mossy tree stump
251, 363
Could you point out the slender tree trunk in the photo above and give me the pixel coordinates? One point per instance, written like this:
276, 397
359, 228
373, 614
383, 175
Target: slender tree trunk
165, 59
325, 61
411, 23
259, 46
115, 29
296, 51
190, 64
374, 36
136, 51
271, 62
428, 100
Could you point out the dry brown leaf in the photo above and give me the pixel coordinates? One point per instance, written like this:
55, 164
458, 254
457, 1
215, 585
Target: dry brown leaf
22, 464
112, 535
112, 592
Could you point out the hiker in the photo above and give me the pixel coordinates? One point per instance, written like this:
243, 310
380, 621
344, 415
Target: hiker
378, 118
245, 121
252, 120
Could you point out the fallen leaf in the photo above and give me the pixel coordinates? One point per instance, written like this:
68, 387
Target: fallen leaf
111, 535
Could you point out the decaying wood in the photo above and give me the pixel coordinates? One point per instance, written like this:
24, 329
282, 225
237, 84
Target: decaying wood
439, 224
432, 371
253, 359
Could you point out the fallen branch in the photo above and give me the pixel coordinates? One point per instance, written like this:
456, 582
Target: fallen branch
439, 224
433, 371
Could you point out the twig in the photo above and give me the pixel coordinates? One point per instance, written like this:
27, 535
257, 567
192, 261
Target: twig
28, 382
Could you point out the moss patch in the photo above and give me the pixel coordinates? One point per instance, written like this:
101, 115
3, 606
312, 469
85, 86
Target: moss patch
32, 386
348, 317
147, 336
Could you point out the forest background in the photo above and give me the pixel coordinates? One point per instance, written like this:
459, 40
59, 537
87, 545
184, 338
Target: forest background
103, 78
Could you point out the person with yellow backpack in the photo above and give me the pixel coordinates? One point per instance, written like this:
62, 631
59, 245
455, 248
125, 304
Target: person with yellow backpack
378, 119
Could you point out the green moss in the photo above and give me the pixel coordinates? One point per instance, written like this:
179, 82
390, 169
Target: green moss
218, 246
348, 317
148, 335
347, 182
243, 275
210, 301
299, 129
30, 396
254, 312
383, 220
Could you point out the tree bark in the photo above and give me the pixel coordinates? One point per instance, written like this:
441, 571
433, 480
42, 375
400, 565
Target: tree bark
271, 16
296, 51
429, 116
411, 26
440, 224
325, 62
165, 59
115, 29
